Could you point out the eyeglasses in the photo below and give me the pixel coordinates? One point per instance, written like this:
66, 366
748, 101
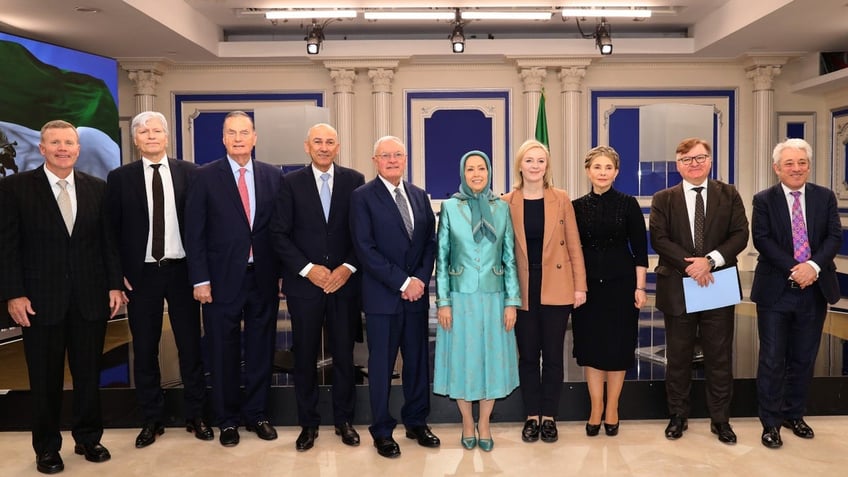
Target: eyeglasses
389, 155
699, 159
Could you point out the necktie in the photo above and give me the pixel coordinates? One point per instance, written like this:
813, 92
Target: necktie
800, 241
400, 200
64, 200
325, 194
700, 219
245, 200
157, 248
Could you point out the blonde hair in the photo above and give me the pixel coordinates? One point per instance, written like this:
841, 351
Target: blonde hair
602, 151
526, 146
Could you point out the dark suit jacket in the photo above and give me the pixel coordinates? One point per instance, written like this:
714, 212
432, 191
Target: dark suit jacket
386, 253
126, 204
302, 236
219, 237
771, 226
726, 230
42, 262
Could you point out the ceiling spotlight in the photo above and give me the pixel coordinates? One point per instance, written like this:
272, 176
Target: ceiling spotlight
314, 39
603, 40
457, 37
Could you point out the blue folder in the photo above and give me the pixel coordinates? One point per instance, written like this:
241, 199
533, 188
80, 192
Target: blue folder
725, 291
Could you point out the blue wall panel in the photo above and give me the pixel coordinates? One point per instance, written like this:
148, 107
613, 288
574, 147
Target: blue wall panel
448, 135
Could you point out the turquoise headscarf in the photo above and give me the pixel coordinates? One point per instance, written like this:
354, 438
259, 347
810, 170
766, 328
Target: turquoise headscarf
482, 222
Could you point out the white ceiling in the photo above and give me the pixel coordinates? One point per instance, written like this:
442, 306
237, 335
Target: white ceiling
212, 30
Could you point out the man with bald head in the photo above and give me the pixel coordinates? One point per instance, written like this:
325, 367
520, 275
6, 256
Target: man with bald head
320, 279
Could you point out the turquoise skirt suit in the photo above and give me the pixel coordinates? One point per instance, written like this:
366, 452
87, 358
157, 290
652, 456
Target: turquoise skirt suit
477, 358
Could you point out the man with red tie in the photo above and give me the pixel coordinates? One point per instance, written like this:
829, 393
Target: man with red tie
797, 231
235, 273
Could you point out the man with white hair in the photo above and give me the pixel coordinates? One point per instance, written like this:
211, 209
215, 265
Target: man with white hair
796, 229
146, 203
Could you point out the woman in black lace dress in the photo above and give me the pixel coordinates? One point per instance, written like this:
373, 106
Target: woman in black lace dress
615, 249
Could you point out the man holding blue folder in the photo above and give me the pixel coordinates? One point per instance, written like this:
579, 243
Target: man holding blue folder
697, 227
797, 231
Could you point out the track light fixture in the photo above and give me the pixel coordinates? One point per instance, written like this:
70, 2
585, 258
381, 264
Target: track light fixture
457, 37
603, 40
314, 38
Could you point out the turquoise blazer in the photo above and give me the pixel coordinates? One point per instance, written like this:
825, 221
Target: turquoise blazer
465, 266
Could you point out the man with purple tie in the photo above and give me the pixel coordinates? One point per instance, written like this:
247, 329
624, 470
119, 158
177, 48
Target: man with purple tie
797, 231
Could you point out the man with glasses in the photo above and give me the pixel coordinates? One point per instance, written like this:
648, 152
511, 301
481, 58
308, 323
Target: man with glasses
697, 227
393, 229
798, 233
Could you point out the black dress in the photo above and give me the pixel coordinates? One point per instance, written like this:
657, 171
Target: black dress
612, 231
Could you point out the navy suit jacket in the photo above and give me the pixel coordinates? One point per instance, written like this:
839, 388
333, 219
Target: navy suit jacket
725, 230
218, 236
126, 204
302, 235
42, 262
387, 255
771, 225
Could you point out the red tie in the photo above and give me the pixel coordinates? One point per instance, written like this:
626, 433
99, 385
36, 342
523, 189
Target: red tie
245, 198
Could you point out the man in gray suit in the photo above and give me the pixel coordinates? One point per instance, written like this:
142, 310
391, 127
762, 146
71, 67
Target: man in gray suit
61, 278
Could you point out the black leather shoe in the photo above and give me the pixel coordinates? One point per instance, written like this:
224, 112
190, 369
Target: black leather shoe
387, 447
306, 439
548, 431
771, 437
530, 433
200, 429
49, 462
611, 429
424, 436
592, 430
676, 426
349, 435
229, 436
93, 452
799, 428
148, 434
724, 431
264, 430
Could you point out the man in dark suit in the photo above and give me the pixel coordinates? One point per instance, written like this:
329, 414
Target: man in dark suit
61, 277
312, 238
697, 227
393, 229
798, 233
235, 273
145, 201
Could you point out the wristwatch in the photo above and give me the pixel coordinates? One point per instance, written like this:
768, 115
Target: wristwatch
712, 262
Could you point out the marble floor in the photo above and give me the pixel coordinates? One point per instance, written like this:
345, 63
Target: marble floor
639, 450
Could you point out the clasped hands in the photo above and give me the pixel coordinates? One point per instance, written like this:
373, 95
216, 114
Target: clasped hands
699, 269
326, 280
803, 274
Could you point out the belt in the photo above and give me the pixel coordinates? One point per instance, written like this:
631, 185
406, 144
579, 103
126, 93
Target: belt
793, 284
165, 262
251, 266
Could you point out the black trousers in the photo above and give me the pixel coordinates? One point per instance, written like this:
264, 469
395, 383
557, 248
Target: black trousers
540, 332
144, 310
45, 347
340, 317
716, 338
790, 334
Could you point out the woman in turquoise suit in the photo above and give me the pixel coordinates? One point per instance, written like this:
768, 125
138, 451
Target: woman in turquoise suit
477, 294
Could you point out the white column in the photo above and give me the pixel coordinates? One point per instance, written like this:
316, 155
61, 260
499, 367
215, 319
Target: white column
381, 91
343, 79
533, 79
571, 79
145, 76
762, 71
